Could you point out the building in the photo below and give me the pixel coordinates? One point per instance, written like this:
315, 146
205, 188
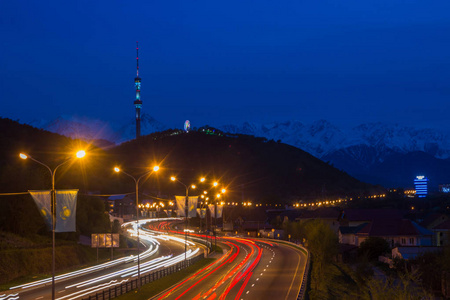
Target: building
444, 188
421, 186
439, 224
122, 206
397, 232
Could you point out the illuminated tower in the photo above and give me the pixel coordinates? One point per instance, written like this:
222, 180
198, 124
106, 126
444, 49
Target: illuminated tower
138, 102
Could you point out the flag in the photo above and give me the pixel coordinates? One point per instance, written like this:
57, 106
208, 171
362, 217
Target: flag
192, 206
181, 205
219, 211
43, 202
66, 207
211, 209
201, 212
66, 210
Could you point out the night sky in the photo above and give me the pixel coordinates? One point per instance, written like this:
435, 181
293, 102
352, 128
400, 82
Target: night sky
219, 62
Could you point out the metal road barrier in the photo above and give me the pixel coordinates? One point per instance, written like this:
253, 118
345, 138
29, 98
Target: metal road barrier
123, 288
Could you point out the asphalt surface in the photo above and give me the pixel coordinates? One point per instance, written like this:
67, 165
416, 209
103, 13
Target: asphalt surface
248, 270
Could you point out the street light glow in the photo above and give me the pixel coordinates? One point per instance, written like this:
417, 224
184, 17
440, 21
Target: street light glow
116, 169
23, 156
202, 179
215, 183
155, 168
173, 178
81, 153
223, 191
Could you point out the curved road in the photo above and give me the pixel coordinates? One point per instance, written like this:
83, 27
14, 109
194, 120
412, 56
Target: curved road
250, 269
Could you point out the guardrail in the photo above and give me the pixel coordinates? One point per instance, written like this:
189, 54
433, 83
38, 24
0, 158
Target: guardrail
123, 288
301, 294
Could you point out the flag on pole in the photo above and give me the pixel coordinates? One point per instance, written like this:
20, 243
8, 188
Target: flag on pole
211, 209
181, 205
43, 202
201, 212
192, 206
66, 210
219, 211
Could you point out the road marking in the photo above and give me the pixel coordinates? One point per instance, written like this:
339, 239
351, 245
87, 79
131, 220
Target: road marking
39, 297
293, 279
248, 292
253, 285
61, 291
257, 279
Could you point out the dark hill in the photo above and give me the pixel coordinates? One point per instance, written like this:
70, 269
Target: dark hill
252, 168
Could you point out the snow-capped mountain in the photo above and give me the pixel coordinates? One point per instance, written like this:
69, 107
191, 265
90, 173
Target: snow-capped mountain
370, 152
365, 151
322, 138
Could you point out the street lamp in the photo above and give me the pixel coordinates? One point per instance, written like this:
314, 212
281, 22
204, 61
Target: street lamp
136, 181
79, 154
215, 184
186, 210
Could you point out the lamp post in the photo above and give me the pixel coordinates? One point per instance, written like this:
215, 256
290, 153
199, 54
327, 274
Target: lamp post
186, 210
136, 181
79, 154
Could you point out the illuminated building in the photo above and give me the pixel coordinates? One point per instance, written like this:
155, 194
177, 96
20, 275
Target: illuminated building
444, 188
421, 185
138, 102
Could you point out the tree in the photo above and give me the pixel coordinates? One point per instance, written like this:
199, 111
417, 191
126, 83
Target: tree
373, 247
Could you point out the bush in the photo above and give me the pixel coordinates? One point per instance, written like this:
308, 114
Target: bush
374, 247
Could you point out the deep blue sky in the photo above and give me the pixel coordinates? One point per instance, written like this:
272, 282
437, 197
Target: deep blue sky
217, 62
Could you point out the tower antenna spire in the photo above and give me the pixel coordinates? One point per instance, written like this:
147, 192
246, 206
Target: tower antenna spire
137, 59
138, 101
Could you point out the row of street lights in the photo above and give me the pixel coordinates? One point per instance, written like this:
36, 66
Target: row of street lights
81, 154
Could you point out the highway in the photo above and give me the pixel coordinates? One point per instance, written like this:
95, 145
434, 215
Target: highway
80, 283
249, 269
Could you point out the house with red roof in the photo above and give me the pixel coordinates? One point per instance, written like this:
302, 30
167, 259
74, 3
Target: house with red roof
398, 232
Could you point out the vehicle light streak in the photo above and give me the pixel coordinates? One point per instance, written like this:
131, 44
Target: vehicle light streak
241, 290
199, 272
153, 246
92, 290
9, 297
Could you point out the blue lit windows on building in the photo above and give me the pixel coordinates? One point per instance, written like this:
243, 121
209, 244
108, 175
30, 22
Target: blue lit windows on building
444, 188
421, 185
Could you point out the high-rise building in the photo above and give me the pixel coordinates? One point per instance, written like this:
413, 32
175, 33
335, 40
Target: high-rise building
421, 185
138, 101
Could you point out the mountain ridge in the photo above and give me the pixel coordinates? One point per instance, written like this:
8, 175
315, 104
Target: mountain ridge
358, 150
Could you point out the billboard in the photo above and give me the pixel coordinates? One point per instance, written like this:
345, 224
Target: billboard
105, 240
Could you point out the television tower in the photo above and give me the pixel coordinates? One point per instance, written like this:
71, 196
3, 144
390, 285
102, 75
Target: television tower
138, 102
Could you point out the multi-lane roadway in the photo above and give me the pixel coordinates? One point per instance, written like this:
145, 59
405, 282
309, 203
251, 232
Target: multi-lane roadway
247, 269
